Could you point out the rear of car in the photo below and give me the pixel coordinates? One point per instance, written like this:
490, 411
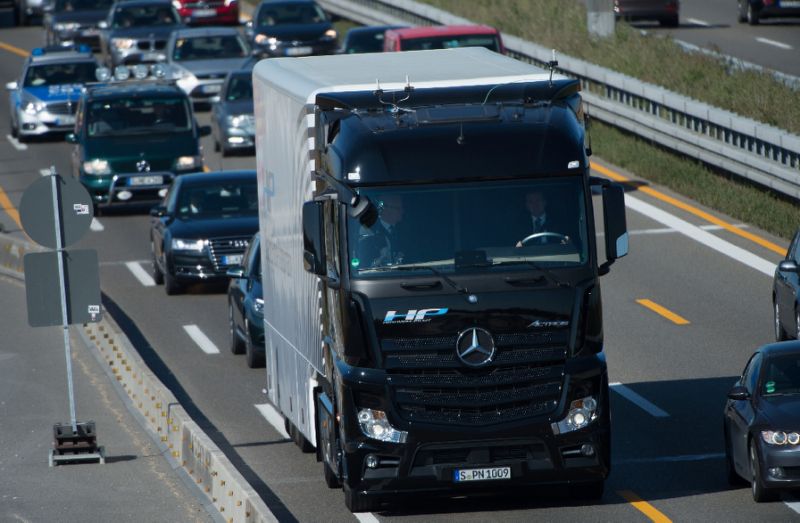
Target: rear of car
75, 22
45, 97
367, 39
136, 31
665, 12
208, 12
753, 11
232, 119
291, 28
443, 37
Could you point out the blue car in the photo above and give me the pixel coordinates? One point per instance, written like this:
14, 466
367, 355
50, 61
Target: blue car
246, 306
45, 97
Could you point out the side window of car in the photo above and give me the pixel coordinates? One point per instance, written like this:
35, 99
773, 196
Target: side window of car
750, 376
794, 252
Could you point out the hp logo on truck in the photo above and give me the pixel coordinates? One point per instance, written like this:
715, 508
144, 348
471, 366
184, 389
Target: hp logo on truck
475, 347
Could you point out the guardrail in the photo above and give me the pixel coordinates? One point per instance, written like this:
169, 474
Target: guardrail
761, 153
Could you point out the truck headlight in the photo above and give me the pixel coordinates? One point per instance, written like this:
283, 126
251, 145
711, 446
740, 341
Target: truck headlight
779, 437
581, 412
188, 162
375, 425
96, 167
180, 244
123, 43
34, 107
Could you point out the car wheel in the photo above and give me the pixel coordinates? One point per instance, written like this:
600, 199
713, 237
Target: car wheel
255, 359
761, 494
171, 285
670, 22
224, 151
158, 276
216, 146
780, 334
734, 479
236, 345
331, 479
358, 502
22, 16
14, 130
742, 14
752, 14
588, 491
797, 324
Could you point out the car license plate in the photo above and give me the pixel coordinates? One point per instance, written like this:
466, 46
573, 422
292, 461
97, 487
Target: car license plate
204, 13
211, 88
146, 180
90, 32
483, 474
297, 51
232, 259
65, 120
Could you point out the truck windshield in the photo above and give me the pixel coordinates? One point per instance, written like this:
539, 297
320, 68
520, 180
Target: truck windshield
486, 226
450, 42
138, 116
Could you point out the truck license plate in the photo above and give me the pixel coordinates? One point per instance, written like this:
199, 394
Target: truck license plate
147, 180
483, 474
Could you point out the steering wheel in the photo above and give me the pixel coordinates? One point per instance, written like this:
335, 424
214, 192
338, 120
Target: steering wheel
562, 238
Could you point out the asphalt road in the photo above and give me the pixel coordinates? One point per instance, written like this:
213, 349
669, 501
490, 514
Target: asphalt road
713, 24
667, 412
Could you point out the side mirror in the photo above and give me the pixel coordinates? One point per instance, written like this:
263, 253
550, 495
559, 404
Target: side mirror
313, 246
738, 393
12, 86
71, 138
102, 24
204, 130
616, 228
235, 272
788, 266
158, 211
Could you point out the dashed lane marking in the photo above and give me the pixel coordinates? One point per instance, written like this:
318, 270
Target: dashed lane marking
695, 21
366, 517
273, 417
638, 400
9, 208
774, 43
663, 311
16, 143
14, 49
44, 172
140, 274
96, 226
202, 341
644, 507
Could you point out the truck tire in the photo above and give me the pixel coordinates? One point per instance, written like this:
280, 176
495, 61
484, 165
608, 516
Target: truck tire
358, 502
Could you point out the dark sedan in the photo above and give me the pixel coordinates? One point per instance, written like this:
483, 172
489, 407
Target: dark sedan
753, 11
786, 294
367, 39
75, 22
762, 422
203, 227
246, 306
291, 28
665, 12
232, 121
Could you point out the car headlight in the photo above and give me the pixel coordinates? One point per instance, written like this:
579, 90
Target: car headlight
180, 244
266, 40
779, 437
66, 26
34, 107
259, 306
97, 167
581, 412
330, 34
375, 425
188, 162
240, 120
123, 43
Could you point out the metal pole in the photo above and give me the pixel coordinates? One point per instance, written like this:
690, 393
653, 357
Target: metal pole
63, 293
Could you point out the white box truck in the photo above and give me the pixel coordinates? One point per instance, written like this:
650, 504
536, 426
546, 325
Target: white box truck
432, 306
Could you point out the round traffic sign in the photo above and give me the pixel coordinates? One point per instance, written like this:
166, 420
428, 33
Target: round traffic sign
38, 217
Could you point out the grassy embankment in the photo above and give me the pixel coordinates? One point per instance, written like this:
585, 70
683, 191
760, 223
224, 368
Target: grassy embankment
561, 24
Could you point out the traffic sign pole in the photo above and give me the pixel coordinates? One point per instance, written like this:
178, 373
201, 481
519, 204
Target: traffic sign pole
63, 294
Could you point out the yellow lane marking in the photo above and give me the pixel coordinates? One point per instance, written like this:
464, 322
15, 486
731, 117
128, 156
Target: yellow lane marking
694, 210
7, 206
658, 309
12, 49
644, 507
206, 169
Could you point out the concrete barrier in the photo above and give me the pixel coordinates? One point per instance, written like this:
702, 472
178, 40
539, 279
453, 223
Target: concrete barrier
185, 443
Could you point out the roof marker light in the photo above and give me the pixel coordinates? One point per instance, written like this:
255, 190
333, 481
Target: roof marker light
122, 73
103, 74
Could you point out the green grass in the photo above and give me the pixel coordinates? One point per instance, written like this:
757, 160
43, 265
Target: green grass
561, 24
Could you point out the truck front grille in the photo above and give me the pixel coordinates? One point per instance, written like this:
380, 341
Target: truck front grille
429, 384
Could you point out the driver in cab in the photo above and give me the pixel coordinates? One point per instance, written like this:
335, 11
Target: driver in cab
382, 244
539, 228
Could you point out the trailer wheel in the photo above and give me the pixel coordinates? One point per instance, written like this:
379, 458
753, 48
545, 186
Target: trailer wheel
358, 502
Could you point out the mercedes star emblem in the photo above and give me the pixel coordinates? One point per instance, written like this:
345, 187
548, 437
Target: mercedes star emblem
143, 166
475, 347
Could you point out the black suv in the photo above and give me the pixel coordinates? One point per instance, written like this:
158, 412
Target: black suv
132, 139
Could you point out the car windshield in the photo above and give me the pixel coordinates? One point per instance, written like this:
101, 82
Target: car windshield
209, 48
781, 375
60, 74
364, 42
240, 87
125, 116
283, 14
484, 226
143, 15
450, 42
81, 5
217, 200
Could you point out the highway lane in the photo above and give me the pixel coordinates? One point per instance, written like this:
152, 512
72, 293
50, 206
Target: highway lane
713, 24
682, 370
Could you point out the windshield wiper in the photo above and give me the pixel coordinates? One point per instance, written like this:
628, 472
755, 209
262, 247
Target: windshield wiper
437, 272
551, 277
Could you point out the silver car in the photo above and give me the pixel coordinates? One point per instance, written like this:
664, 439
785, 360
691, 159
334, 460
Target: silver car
136, 31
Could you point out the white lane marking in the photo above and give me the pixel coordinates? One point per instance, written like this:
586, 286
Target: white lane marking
96, 226
638, 400
202, 341
44, 172
366, 517
671, 459
695, 21
16, 144
774, 43
792, 502
698, 234
273, 417
140, 274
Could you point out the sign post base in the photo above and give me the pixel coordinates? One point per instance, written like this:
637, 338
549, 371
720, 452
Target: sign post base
78, 445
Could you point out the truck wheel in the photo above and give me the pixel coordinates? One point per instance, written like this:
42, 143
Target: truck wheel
358, 502
171, 285
331, 479
302, 443
761, 494
236, 345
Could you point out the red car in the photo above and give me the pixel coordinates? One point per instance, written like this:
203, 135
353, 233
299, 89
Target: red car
443, 37
212, 12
